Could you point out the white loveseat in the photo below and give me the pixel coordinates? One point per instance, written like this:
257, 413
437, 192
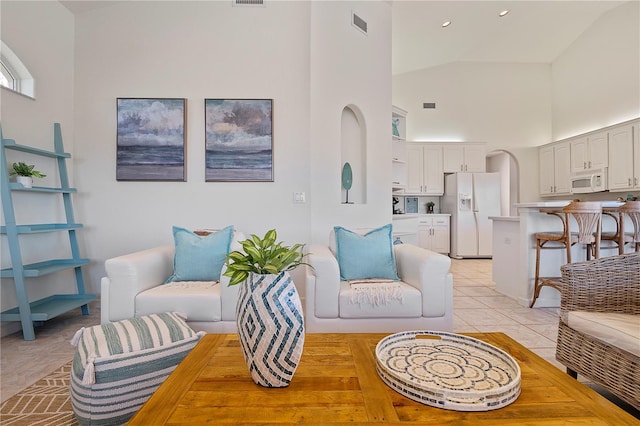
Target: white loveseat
135, 285
426, 301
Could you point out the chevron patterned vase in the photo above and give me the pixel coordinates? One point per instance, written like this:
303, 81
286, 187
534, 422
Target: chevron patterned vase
270, 328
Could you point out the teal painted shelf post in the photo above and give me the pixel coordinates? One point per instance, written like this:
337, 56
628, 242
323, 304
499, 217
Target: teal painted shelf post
30, 312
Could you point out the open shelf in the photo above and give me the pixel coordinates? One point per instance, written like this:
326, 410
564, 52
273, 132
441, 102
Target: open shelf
42, 227
43, 268
50, 307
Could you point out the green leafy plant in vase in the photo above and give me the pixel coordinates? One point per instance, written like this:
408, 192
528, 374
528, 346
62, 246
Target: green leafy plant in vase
268, 308
25, 173
262, 256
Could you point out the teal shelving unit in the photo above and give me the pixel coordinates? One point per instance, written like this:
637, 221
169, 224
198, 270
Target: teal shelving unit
32, 312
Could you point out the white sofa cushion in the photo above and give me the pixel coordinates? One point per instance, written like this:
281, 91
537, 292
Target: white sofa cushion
408, 305
619, 330
198, 300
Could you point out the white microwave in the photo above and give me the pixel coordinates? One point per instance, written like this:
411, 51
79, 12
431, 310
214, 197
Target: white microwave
591, 181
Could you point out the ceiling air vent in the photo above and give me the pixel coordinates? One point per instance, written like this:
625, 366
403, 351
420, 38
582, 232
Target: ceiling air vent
248, 2
358, 22
429, 105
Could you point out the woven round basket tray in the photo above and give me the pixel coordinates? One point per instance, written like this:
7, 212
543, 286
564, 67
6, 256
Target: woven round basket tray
447, 370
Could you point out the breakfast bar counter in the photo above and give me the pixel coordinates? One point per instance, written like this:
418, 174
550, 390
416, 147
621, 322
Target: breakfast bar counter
514, 251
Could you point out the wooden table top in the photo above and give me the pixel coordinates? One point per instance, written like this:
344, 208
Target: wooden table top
336, 383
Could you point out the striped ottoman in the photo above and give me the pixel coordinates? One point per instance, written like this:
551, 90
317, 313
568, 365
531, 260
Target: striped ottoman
118, 366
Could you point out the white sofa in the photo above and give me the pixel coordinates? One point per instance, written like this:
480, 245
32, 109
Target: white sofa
427, 295
135, 286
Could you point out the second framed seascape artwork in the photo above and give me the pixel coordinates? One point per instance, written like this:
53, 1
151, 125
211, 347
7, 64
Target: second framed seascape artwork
239, 140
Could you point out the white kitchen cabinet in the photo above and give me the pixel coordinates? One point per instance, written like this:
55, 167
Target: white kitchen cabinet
624, 158
590, 152
424, 169
555, 166
458, 157
433, 232
398, 149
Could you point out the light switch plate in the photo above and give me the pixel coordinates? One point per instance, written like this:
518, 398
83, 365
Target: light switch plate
299, 197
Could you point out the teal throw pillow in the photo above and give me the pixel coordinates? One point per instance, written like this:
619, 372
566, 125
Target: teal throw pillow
365, 256
199, 258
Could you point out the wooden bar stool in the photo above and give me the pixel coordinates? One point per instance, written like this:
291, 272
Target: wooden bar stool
588, 216
613, 236
631, 209
548, 241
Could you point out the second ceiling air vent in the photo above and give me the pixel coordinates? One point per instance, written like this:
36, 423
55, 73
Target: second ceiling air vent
248, 2
358, 22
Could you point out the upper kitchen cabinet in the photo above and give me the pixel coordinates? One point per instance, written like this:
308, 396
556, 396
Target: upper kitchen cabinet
398, 149
624, 158
590, 152
464, 157
424, 169
555, 163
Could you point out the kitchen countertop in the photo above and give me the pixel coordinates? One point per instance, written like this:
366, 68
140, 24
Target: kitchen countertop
413, 215
562, 203
506, 218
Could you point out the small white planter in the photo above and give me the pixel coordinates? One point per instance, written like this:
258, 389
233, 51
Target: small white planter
26, 181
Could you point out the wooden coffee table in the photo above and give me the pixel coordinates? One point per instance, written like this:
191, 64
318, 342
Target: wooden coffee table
336, 382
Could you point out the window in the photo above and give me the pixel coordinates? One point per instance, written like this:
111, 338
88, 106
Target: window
13, 74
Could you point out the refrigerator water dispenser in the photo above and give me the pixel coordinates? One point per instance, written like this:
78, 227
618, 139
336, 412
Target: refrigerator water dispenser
465, 203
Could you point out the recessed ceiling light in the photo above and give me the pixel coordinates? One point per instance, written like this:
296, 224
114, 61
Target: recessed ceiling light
446, 24
503, 13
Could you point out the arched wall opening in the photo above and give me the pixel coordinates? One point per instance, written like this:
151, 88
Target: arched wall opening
505, 163
353, 150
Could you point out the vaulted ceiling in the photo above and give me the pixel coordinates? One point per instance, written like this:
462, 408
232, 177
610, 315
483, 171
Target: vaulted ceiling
532, 31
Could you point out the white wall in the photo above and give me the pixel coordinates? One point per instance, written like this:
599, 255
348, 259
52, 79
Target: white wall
194, 50
505, 105
42, 35
199, 50
349, 69
596, 81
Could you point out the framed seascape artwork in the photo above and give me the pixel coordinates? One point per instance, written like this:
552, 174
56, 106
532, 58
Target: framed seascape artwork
151, 141
238, 140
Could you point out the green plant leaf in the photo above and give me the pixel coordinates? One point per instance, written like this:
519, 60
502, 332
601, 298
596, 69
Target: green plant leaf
253, 252
256, 240
238, 277
269, 238
272, 269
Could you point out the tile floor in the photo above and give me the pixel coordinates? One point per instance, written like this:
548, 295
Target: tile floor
478, 307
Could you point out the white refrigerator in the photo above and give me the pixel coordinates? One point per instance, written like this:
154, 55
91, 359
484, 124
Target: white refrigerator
471, 198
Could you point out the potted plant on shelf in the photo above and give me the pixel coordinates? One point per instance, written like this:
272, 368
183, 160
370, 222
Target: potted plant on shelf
25, 173
430, 205
268, 308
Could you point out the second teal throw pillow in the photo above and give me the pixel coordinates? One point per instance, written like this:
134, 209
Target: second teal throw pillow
365, 256
200, 258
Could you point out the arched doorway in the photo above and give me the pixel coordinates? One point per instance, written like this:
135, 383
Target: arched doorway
504, 162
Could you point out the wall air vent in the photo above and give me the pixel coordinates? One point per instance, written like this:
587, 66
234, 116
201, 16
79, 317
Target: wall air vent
248, 2
358, 22
429, 105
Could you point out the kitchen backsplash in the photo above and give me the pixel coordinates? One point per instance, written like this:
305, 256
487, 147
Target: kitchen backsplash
422, 204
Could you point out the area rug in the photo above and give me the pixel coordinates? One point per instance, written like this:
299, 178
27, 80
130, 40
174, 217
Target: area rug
46, 402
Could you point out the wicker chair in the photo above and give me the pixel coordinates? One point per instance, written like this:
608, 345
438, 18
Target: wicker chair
609, 284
